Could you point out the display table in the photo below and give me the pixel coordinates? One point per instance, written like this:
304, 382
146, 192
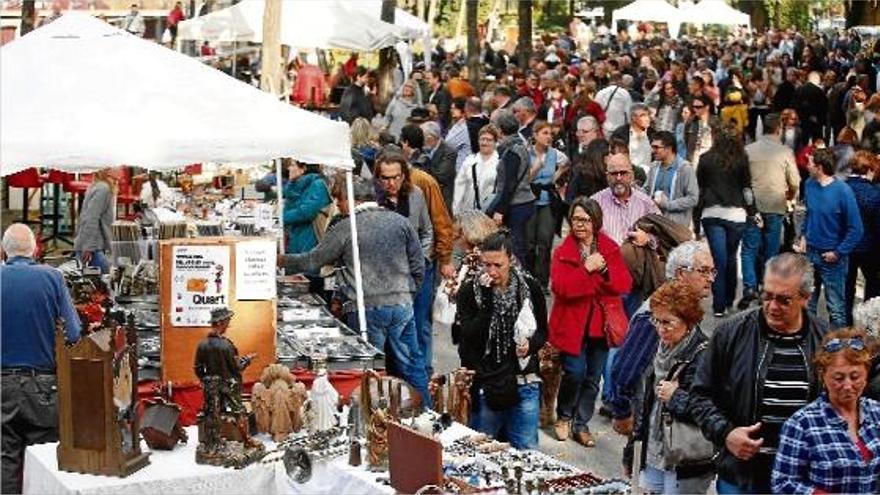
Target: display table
176, 472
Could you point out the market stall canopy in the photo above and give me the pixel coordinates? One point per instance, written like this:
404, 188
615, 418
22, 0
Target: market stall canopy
417, 28
649, 11
79, 94
714, 12
304, 24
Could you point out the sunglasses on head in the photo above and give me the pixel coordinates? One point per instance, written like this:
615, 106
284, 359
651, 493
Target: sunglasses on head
854, 343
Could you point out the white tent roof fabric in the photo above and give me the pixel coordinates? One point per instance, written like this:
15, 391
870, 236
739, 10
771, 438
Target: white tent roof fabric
304, 24
79, 94
714, 12
649, 10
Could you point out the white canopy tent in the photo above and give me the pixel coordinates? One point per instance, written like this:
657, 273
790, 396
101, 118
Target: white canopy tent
80, 94
304, 24
714, 12
649, 11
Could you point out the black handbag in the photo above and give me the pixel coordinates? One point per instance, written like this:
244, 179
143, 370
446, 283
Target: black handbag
501, 393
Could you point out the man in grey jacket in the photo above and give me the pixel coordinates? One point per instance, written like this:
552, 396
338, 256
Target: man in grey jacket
775, 180
672, 182
392, 268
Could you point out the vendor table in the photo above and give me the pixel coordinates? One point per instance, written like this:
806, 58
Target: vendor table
175, 472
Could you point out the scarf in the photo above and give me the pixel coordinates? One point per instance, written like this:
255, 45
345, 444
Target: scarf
664, 360
506, 304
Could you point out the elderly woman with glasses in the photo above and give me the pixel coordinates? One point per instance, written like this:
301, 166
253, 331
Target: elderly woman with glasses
587, 277
832, 445
675, 464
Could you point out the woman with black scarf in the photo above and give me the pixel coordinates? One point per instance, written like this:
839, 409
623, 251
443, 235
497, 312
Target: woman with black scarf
503, 319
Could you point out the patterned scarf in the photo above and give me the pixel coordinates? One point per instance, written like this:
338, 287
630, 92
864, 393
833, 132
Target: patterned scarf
506, 304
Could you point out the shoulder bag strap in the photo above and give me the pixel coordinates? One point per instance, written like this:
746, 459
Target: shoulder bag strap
610, 99
476, 186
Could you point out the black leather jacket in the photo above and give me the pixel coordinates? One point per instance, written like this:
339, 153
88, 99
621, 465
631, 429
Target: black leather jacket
729, 384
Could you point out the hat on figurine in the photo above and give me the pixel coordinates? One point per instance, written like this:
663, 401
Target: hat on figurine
220, 314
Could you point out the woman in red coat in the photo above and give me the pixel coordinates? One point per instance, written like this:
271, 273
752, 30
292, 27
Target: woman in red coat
586, 270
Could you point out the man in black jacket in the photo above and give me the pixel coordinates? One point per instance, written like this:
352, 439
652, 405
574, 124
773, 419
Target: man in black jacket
756, 373
355, 100
812, 107
439, 97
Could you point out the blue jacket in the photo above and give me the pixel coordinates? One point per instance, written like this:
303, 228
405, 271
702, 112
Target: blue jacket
303, 200
33, 296
868, 199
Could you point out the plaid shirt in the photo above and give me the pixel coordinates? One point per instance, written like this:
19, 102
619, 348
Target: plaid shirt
817, 453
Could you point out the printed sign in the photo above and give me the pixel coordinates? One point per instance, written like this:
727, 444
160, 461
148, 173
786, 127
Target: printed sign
199, 283
255, 270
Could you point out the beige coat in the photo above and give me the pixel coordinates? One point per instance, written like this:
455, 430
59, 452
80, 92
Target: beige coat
774, 174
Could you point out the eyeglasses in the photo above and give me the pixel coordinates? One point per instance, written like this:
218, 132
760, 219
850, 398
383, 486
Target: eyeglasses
657, 146
706, 271
697, 107
389, 178
581, 220
780, 299
665, 324
854, 343
619, 173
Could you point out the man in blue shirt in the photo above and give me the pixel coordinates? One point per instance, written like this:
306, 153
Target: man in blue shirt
33, 297
832, 229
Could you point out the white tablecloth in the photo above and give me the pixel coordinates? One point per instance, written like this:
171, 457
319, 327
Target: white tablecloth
176, 472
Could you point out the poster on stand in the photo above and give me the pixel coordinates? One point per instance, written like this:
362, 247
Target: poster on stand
199, 283
255, 270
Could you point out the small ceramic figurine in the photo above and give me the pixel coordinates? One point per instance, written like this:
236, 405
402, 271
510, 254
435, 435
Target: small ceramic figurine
323, 400
277, 401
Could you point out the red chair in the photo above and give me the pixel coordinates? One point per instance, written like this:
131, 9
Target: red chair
26, 180
126, 195
77, 190
194, 169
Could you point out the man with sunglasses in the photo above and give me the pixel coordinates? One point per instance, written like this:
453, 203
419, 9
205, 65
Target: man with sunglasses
756, 373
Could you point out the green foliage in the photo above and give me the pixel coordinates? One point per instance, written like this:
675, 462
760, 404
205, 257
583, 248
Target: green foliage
789, 13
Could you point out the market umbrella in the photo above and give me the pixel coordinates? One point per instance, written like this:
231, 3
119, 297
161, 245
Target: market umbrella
80, 94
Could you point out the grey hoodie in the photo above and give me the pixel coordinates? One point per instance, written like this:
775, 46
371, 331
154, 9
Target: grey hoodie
399, 110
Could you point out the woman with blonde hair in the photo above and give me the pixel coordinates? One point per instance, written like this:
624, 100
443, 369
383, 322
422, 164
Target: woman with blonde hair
364, 146
93, 234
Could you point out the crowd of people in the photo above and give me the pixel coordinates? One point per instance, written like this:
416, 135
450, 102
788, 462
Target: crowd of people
581, 209
587, 205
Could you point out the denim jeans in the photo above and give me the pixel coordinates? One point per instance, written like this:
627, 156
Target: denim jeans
759, 244
833, 277
724, 487
668, 483
607, 382
423, 307
99, 260
394, 326
723, 237
580, 383
517, 424
517, 218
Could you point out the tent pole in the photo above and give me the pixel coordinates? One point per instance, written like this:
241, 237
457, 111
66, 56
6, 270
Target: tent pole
234, 58
280, 197
356, 255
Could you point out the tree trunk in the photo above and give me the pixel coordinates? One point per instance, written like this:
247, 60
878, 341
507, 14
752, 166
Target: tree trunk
386, 59
524, 41
459, 27
432, 13
270, 66
28, 17
473, 45
420, 8
862, 13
